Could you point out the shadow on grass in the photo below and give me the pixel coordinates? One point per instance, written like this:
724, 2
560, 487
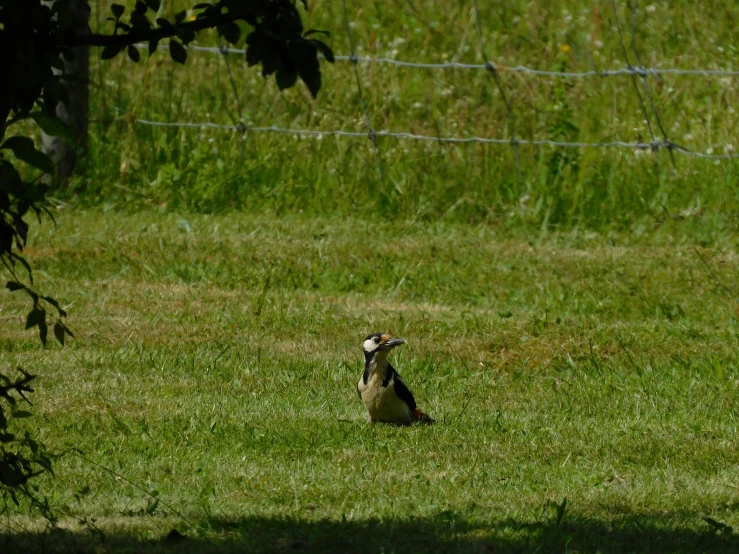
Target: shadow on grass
447, 532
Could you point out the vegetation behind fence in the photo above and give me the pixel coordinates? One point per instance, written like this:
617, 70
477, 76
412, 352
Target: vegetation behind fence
651, 86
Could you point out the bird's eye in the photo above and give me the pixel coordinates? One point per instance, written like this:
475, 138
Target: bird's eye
377, 340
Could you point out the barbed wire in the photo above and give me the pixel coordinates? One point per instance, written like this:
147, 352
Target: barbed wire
633, 71
629, 70
640, 146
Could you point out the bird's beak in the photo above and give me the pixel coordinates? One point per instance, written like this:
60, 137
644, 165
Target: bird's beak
390, 343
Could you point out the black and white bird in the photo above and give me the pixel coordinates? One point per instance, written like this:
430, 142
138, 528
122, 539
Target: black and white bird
381, 389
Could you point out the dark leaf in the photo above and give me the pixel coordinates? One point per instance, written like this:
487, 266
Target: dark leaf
202, 6
57, 63
124, 26
311, 76
133, 53
110, 51
153, 45
272, 61
162, 22
180, 16
35, 317
59, 332
6, 437
69, 55
253, 52
285, 80
175, 537
154, 4
185, 34
140, 22
13, 286
8, 173
324, 49
230, 32
117, 10
310, 32
151, 508
52, 125
43, 331
24, 149
20, 414
54, 303
718, 526
177, 51
21, 229
140, 7
24, 263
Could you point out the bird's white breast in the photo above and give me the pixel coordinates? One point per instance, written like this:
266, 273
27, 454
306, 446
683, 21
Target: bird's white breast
381, 402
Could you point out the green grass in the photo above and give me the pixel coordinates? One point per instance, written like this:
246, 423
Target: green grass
574, 332
216, 359
600, 189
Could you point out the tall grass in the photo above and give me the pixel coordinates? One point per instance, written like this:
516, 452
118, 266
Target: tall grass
213, 170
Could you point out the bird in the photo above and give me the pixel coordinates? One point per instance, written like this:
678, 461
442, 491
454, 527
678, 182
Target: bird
384, 394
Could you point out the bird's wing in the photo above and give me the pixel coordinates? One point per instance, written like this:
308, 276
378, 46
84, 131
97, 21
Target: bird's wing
402, 391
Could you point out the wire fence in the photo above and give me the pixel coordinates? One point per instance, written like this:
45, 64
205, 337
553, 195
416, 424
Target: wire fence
638, 74
633, 70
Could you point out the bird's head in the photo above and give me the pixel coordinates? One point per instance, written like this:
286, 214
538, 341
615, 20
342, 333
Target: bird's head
379, 344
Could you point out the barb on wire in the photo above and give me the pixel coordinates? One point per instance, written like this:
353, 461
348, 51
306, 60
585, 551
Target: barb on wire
353, 58
492, 70
633, 78
639, 71
645, 83
447, 140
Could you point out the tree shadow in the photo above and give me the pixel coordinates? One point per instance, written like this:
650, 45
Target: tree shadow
445, 532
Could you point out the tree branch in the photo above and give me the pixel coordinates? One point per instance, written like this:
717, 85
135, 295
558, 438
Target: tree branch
133, 37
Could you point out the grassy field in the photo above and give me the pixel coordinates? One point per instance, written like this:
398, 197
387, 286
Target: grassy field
585, 386
208, 170
573, 330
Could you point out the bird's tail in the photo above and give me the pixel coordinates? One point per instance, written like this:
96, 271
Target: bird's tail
422, 418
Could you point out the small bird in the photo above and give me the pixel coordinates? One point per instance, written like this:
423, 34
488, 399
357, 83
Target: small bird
381, 389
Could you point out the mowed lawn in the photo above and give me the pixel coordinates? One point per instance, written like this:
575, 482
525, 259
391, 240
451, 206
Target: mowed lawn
585, 387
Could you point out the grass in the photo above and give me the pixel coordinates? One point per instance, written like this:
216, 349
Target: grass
573, 331
207, 170
585, 386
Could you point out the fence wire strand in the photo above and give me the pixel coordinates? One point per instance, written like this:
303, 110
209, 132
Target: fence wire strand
639, 146
633, 70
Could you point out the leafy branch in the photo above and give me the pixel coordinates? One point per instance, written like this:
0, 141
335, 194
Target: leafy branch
28, 457
276, 40
35, 37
